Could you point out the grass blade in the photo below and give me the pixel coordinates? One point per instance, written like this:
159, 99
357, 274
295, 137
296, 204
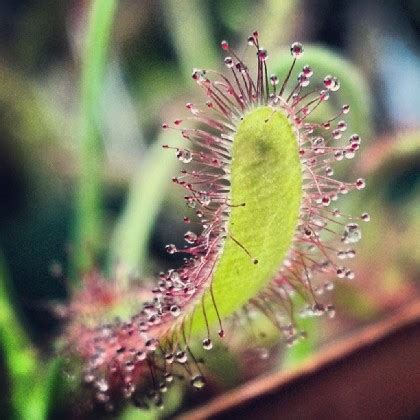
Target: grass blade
88, 234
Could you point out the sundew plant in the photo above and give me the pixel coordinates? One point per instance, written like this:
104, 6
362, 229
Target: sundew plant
267, 237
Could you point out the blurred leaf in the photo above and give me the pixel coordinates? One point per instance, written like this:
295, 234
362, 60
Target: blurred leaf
188, 24
129, 245
280, 18
31, 385
89, 221
353, 301
20, 358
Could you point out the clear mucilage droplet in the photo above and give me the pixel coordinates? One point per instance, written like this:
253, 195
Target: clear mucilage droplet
198, 381
175, 310
207, 344
352, 233
296, 50
190, 237
184, 156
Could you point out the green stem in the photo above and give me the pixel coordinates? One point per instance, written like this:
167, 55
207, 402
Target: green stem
129, 246
19, 356
189, 28
89, 218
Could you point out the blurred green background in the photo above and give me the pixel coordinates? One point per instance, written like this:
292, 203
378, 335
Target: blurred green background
84, 87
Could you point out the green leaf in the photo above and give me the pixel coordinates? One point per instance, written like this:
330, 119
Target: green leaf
266, 176
89, 235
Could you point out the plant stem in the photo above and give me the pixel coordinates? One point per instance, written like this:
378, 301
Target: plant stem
89, 216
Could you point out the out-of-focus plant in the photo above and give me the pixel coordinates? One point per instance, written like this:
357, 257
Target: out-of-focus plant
89, 234
32, 381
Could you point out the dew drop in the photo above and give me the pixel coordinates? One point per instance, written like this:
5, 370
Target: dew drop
318, 309
184, 156
207, 344
342, 255
329, 286
349, 153
355, 139
170, 249
360, 184
181, 357
168, 377
296, 50
365, 217
175, 310
102, 397
190, 237
326, 201
198, 381
102, 385
343, 189
330, 311
169, 358
303, 80
274, 80
229, 62
351, 253
307, 71
352, 233
342, 125
324, 95
336, 213
151, 344
205, 198
331, 83
89, 377
262, 54
199, 75
341, 272
263, 353
338, 155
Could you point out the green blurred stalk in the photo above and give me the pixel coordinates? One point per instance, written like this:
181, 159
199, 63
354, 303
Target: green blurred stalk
89, 217
18, 355
188, 24
32, 385
277, 22
129, 245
